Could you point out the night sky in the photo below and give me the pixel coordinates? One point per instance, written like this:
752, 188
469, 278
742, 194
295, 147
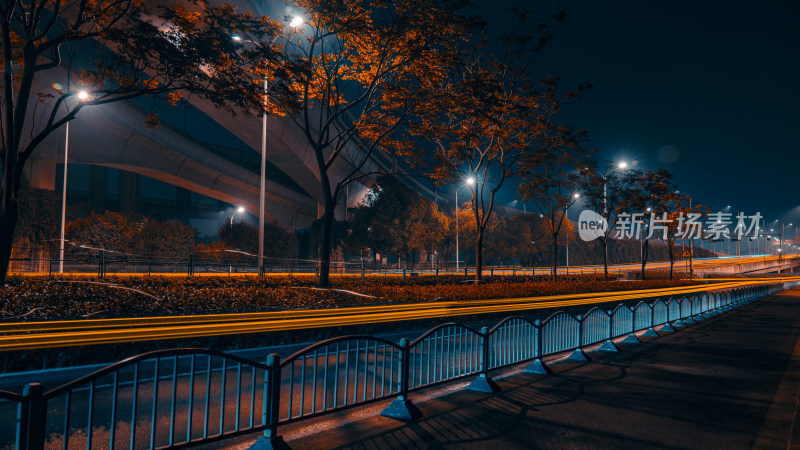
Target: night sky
707, 90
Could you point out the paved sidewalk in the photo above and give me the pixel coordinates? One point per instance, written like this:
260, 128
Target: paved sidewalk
731, 382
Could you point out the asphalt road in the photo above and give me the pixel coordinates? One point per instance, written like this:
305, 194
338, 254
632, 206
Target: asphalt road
731, 382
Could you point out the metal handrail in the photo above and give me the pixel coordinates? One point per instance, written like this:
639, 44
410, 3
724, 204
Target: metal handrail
334, 374
439, 327
305, 350
165, 353
507, 319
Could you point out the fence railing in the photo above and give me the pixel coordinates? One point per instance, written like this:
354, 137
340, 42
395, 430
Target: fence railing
184, 397
105, 263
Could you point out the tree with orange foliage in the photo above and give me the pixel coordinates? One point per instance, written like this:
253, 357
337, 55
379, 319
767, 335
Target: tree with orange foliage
487, 115
368, 65
551, 178
650, 192
679, 204
117, 50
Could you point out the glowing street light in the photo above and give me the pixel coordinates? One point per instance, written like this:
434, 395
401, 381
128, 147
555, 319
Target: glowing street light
470, 181
82, 95
239, 210
295, 22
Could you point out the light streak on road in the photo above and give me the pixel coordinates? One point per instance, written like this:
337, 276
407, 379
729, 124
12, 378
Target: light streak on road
33, 335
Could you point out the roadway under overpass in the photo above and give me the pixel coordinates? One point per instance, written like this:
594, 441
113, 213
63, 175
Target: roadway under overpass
751, 266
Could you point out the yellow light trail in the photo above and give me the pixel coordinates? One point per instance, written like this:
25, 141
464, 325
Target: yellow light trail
64, 325
109, 331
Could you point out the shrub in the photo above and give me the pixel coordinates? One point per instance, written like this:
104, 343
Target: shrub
40, 298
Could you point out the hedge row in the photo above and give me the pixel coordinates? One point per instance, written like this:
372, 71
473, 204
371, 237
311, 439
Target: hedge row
40, 298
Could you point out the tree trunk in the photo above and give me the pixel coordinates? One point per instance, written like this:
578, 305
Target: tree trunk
8, 221
644, 256
605, 256
11, 175
554, 270
479, 255
671, 258
325, 247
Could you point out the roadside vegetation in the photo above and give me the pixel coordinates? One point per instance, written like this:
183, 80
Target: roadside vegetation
30, 298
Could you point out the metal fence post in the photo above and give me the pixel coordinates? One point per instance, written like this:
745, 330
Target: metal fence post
578, 354
31, 418
537, 366
609, 345
271, 407
651, 331
484, 383
678, 322
709, 301
631, 338
401, 407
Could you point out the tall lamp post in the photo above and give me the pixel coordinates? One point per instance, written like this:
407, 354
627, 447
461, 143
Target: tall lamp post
738, 240
575, 197
621, 166
780, 241
263, 183
470, 181
82, 95
294, 23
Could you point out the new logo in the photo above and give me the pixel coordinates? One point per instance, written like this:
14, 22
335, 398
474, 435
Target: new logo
591, 225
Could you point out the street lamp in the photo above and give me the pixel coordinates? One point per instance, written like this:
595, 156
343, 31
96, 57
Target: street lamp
735, 214
238, 210
470, 181
691, 242
295, 22
620, 166
82, 95
575, 198
524, 208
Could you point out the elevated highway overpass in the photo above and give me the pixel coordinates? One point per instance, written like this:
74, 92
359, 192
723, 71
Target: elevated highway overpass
199, 148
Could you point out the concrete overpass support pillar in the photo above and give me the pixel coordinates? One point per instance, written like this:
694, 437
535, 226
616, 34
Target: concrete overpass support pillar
41, 173
98, 188
128, 191
182, 204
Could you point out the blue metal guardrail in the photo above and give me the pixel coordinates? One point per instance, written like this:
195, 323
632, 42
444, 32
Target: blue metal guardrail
184, 397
